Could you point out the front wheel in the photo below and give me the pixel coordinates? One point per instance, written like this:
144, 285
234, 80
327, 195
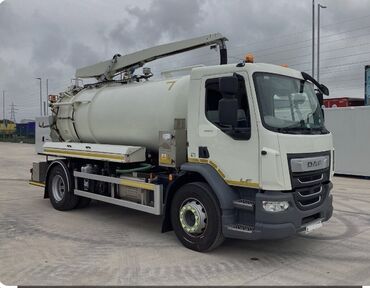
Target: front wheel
196, 217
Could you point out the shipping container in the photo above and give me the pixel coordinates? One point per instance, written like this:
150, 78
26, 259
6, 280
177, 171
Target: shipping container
343, 102
367, 85
346, 124
26, 129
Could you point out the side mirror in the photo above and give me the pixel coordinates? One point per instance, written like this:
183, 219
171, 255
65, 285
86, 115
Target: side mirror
320, 98
324, 89
228, 105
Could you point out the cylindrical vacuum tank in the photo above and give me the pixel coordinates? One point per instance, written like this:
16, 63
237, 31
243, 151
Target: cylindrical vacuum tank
131, 114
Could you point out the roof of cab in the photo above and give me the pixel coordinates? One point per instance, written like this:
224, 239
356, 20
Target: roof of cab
250, 68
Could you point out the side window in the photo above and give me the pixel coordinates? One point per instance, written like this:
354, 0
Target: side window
213, 96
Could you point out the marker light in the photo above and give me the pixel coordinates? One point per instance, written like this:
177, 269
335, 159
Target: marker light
275, 206
53, 98
249, 58
284, 65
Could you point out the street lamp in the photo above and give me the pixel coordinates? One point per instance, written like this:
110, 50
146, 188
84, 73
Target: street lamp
47, 96
313, 38
40, 95
319, 6
3, 107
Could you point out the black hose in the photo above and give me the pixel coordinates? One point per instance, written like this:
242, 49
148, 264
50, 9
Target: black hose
143, 167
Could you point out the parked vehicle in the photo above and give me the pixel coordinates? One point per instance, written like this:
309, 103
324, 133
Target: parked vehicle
232, 150
343, 102
7, 127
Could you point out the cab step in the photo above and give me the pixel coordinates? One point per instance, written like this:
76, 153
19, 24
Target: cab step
240, 228
244, 204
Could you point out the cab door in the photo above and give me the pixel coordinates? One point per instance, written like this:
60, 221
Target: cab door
232, 151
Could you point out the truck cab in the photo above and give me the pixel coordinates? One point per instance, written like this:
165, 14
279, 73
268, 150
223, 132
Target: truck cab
275, 155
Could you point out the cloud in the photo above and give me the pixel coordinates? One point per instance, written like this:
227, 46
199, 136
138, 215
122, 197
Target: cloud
49, 46
50, 39
7, 16
161, 21
81, 55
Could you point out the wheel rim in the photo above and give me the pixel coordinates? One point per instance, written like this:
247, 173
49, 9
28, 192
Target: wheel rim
58, 188
193, 217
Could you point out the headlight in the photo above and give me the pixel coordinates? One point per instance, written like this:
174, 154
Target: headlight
275, 206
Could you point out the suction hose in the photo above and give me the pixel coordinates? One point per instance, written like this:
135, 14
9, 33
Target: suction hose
141, 168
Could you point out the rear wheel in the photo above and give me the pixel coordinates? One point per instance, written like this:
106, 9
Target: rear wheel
60, 189
196, 217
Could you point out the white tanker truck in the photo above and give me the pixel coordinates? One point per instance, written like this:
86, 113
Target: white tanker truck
234, 150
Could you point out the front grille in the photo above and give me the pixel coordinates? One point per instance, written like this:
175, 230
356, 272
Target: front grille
309, 193
310, 178
307, 179
310, 188
309, 197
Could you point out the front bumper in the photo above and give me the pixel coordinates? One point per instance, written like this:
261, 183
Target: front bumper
267, 225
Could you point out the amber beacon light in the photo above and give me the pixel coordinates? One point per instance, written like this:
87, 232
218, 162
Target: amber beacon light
249, 58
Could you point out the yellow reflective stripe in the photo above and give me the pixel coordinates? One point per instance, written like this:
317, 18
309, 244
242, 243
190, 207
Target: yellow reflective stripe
221, 173
239, 183
213, 164
60, 152
142, 185
34, 183
248, 184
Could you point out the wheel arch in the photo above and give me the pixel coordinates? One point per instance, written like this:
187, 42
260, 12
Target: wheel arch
192, 172
64, 166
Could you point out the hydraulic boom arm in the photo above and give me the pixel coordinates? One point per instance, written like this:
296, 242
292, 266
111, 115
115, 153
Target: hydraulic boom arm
108, 69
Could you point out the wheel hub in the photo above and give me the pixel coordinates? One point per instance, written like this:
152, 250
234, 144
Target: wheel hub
58, 188
193, 217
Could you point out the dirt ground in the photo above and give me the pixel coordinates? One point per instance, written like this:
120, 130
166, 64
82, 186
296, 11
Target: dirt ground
109, 245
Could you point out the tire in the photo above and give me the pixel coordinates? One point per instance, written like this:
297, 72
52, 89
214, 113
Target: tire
191, 201
83, 202
61, 197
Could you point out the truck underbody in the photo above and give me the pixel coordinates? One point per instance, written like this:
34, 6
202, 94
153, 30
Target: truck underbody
241, 212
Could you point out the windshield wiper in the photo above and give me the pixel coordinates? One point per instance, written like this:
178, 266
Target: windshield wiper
297, 128
287, 130
318, 130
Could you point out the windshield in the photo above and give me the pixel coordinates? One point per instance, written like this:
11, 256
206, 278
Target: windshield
288, 105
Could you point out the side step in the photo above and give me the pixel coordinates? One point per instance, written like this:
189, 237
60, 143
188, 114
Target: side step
244, 204
240, 228
157, 190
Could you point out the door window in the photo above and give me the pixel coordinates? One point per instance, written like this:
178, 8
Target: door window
212, 99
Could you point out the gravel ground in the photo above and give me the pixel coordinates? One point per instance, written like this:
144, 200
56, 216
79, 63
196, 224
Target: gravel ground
108, 245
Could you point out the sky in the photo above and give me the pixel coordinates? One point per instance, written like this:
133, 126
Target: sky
52, 38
